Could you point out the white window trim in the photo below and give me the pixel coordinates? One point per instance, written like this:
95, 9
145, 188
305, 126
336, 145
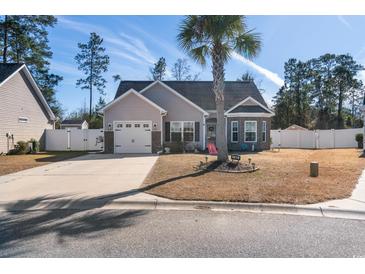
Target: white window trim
245, 131
234, 131
264, 130
182, 130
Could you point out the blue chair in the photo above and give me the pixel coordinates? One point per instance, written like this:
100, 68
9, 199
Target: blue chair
244, 147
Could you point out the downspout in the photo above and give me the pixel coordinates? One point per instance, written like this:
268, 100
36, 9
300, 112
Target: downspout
161, 129
204, 129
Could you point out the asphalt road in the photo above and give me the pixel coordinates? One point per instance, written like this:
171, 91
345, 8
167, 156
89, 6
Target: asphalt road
143, 233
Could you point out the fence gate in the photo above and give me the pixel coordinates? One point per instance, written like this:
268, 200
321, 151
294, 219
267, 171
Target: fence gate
74, 139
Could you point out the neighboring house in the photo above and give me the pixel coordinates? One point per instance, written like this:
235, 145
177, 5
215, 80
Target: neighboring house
146, 116
72, 123
295, 127
24, 112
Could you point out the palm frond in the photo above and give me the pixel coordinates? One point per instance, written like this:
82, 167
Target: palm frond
248, 43
199, 54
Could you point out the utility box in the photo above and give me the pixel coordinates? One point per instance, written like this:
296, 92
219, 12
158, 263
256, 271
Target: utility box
314, 169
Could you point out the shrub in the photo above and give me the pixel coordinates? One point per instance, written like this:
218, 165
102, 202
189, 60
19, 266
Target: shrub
190, 147
175, 147
359, 139
22, 147
35, 145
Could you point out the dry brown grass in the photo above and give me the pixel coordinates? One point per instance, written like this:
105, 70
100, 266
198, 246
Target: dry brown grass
14, 163
283, 177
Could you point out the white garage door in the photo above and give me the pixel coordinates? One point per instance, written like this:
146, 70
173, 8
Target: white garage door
132, 137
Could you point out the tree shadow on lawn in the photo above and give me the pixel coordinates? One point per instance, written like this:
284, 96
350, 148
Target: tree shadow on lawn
67, 216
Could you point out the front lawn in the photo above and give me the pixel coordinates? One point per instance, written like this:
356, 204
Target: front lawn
14, 163
283, 177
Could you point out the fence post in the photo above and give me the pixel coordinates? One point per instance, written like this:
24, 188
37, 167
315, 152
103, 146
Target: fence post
68, 139
316, 138
279, 138
334, 137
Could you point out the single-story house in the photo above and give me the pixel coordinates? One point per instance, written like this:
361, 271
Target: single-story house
24, 112
295, 127
146, 116
74, 123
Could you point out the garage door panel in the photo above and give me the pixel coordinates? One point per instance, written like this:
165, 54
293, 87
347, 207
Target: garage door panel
133, 137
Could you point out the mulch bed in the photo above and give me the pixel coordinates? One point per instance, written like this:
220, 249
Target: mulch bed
229, 167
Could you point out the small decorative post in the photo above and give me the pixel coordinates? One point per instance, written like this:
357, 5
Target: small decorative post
314, 166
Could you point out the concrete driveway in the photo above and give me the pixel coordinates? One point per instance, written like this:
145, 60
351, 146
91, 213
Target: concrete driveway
85, 179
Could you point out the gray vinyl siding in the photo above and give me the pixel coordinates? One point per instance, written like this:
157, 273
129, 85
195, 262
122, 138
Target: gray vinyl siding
132, 108
177, 108
260, 145
18, 99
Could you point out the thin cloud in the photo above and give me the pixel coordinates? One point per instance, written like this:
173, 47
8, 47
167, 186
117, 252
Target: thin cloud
129, 47
65, 68
273, 77
84, 28
344, 22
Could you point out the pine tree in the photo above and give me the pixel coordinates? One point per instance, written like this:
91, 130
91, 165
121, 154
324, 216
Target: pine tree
159, 70
24, 39
93, 62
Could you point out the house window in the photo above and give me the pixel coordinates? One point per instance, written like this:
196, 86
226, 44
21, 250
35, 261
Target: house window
137, 125
146, 125
176, 132
234, 131
182, 131
128, 125
263, 136
23, 120
188, 131
251, 131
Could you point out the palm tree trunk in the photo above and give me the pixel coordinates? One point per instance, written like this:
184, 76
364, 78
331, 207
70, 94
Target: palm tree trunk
218, 87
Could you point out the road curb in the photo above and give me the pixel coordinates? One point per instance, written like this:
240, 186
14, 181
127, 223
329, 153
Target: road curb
310, 210
156, 204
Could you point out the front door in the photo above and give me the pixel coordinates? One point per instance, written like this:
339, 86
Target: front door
132, 137
211, 132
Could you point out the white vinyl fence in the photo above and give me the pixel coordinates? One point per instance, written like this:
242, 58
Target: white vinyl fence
74, 139
333, 138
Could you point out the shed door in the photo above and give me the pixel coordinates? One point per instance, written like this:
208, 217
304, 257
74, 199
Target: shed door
132, 137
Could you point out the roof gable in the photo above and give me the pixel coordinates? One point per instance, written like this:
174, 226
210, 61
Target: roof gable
140, 96
200, 92
249, 109
7, 71
249, 105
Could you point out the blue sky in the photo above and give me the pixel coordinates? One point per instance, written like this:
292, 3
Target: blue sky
134, 43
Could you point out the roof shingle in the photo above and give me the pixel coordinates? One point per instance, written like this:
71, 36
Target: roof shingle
72, 122
200, 92
8, 69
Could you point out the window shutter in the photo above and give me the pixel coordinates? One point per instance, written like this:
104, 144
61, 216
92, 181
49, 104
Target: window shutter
197, 131
167, 131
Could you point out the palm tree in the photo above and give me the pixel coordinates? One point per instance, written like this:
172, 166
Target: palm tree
217, 36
